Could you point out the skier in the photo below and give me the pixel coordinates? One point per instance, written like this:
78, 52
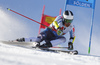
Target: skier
53, 35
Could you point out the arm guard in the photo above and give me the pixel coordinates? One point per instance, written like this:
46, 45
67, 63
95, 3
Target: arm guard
72, 35
56, 24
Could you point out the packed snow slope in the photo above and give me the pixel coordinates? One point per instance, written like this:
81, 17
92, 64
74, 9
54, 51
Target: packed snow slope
13, 55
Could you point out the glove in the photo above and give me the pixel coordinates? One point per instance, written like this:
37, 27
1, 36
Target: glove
59, 31
70, 46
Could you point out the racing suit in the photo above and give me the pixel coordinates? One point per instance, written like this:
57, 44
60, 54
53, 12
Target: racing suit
52, 36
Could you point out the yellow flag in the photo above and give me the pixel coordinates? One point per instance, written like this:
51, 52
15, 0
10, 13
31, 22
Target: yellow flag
49, 19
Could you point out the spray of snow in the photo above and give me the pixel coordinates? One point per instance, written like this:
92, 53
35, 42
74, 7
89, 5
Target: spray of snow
9, 26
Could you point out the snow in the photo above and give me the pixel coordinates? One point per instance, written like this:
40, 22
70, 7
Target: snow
14, 55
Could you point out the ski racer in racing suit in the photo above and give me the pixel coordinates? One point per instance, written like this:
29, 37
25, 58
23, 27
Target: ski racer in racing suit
53, 35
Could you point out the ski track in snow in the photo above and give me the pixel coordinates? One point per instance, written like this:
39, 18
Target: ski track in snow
13, 55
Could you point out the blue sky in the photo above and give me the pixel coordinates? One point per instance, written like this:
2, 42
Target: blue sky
33, 9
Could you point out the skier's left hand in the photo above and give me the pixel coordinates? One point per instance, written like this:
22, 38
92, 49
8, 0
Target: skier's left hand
59, 32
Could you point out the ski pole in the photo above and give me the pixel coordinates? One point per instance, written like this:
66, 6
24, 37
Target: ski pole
59, 47
55, 47
27, 17
73, 39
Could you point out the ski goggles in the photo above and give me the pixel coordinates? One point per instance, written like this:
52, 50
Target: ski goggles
67, 21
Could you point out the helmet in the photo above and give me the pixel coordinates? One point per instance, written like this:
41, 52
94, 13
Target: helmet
68, 16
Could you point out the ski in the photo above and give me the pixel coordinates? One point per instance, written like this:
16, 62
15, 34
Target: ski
71, 52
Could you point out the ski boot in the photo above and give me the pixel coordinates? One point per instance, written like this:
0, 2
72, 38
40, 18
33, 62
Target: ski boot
45, 45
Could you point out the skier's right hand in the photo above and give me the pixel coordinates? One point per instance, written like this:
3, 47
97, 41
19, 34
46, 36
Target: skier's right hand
70, 46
